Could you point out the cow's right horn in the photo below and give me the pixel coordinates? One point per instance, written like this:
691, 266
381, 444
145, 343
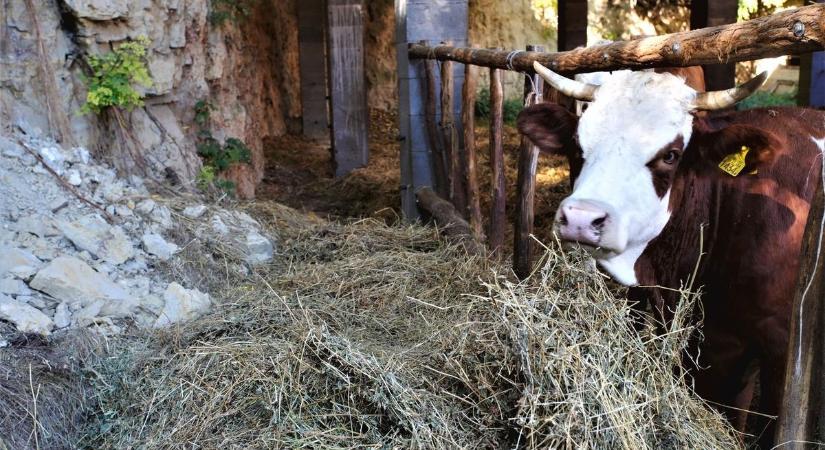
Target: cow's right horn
710, 101
568, 87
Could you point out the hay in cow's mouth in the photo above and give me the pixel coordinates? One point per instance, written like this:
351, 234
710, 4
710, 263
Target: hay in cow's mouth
364, 335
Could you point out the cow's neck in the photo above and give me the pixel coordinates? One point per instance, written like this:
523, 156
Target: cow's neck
671, 258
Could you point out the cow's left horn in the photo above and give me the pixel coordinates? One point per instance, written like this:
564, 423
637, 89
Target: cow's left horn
709, 101
568, 87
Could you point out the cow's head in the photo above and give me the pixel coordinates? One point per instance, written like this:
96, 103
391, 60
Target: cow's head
625, 152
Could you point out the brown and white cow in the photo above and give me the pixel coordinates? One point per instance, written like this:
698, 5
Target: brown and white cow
648, 185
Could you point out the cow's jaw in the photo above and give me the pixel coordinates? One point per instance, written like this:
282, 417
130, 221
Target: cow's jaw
633, 116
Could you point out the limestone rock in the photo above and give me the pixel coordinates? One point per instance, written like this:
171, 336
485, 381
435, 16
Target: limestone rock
62, 316
13, 286
194, 211
98, 10
181, 305
26, 318
72, 280
155, 244
145, 207
258, 248
93, 234
19, 263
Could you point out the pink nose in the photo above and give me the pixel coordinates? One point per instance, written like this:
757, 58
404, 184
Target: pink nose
581, 221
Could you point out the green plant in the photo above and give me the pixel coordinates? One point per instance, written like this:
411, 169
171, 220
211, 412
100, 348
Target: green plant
217, 157
766, 99
114, 75
510, 109
223, 11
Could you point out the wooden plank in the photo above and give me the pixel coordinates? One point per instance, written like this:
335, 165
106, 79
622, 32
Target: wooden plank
523, 245
800, 418
572, 30
436, 144
452, 154
312, 59
765, 37
704, 13
347, 85
497, 206
468, 97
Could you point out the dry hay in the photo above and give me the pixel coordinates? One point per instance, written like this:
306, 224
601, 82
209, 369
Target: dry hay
363, 335
42, 396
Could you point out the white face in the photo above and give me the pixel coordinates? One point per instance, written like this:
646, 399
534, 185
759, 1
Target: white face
633, 117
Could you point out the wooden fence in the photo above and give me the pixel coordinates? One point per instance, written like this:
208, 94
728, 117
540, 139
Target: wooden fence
455, 179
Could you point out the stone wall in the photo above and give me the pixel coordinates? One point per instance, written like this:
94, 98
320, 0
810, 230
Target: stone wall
246, 68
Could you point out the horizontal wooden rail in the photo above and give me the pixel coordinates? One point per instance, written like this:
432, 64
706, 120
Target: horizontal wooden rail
792, 32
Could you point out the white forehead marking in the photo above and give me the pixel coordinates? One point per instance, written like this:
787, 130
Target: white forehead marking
635, 114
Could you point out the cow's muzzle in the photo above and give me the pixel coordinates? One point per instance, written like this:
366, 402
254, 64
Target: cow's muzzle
582, 221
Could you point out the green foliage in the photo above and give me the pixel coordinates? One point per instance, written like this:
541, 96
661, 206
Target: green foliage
767, 99
511, 107
114, 75
223, 11
217, 157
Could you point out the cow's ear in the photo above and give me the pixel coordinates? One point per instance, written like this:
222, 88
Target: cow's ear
739, 149
549, 126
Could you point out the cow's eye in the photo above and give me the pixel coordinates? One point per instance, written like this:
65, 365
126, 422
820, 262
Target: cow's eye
670, 157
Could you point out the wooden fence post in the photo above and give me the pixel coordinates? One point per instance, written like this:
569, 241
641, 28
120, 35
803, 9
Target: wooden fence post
416, 20
452, 156
497, 209
434, 137
311, 41
801, 413
528, 159
468, 109
347, 85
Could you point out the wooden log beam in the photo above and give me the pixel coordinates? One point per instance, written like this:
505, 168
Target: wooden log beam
449, 221
497, 206
468, 106
523, 244
792, 32
800, 415
430, 111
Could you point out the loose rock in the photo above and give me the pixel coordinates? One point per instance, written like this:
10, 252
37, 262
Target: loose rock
70, 279
19, 263
93, 234
26, 318
181, 305
154, 244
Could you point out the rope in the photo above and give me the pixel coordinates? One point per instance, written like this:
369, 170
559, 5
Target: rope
509, 59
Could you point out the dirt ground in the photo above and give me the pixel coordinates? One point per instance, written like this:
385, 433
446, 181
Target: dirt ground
299, 174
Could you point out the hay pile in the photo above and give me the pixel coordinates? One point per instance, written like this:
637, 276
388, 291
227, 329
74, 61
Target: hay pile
363, 335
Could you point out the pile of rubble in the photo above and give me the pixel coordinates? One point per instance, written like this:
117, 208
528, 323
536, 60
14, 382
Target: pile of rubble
92, 257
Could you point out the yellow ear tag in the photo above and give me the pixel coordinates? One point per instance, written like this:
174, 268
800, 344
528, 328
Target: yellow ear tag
735, 162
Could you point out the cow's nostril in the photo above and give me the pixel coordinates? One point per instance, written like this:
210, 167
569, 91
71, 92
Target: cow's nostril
562, 219
598, 223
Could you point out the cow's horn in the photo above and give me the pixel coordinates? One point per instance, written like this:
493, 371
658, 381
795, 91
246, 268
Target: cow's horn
568, 87
709, 101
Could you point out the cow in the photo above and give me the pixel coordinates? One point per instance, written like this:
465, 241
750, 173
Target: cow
655, 184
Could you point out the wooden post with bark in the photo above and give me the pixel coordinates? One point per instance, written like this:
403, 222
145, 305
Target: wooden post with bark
452, 157
523, 244
434, 137
468, 106
801, 413
497, 206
